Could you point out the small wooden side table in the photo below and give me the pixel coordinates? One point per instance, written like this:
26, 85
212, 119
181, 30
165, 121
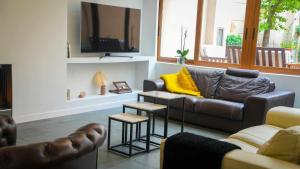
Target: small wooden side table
168, 97
128, 119
150, 109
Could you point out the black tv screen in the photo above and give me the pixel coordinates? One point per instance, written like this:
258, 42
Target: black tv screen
107, 28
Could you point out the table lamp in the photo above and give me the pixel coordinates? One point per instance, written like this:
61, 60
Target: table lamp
100, 81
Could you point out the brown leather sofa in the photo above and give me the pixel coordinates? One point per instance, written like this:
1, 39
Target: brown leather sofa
77, 151
233, 99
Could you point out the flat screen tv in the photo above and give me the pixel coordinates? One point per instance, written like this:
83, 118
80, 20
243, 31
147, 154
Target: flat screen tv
106, 28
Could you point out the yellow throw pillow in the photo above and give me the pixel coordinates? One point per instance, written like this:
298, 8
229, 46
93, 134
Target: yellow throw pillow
284, 145
181, 83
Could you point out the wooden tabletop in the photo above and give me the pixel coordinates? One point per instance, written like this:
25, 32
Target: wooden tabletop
161, 95
129, 118
145, 106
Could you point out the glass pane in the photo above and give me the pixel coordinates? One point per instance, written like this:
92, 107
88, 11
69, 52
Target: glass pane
222, 30
279, 34
178, 16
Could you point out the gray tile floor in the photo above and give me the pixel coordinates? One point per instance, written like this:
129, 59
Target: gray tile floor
50, 129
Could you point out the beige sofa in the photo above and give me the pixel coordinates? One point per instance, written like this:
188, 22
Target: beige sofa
252, 138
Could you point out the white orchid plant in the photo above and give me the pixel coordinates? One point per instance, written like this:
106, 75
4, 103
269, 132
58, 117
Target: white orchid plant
182, 52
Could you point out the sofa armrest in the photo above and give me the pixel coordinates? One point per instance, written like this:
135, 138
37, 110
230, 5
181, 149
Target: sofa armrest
238, 159
257, 106
8, 131
55, 154
283, 117
154, 85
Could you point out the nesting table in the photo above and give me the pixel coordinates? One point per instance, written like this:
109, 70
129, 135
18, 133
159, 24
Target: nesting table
168, 97
131, 119
151, 110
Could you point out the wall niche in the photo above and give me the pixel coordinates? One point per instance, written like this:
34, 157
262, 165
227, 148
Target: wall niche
5, 90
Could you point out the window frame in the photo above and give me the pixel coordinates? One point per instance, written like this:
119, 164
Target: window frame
248, 47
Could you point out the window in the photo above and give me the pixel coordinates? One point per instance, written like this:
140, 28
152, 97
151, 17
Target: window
279, 35
256, 34
230, 15
178, 16
220, 36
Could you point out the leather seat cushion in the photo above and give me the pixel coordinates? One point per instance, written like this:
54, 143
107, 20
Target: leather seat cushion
177, 104
189, 103
244, 146
220, 108
257, 135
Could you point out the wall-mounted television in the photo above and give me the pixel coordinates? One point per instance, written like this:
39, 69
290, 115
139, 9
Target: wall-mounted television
106, 28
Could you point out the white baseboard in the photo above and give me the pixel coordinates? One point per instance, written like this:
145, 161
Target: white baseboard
70, 111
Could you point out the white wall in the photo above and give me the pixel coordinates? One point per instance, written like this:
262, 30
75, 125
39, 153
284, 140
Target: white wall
80, 75
283, 82
149, 31
33, 39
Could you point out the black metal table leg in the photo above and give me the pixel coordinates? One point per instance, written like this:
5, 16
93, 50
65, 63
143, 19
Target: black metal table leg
182, 115
137, 129
148, 134
166, 120
140, 126
108, 135
123, 128
130, 141
153, 124
136, 126
126, 132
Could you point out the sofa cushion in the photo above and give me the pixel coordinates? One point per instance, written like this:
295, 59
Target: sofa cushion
285, 145
189, 103
177, 104
220, 108
244, 146
257, 135
206, 80
237, 89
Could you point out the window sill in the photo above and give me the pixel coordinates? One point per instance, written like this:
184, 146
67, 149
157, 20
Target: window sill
211, 65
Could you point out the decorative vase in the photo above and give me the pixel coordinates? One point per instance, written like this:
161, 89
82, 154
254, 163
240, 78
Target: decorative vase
103, 90
181, 60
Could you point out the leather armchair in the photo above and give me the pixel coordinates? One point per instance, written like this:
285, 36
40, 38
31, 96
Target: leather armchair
79, 150
8, 131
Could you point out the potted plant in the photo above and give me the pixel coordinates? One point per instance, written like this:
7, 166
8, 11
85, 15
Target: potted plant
234, 40
182, 52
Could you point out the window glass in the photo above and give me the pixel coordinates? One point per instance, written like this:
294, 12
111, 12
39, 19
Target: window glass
222, 45
279, 34
178, 17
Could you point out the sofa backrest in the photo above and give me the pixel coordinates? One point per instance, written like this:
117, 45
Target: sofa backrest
238, 84
206, 80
